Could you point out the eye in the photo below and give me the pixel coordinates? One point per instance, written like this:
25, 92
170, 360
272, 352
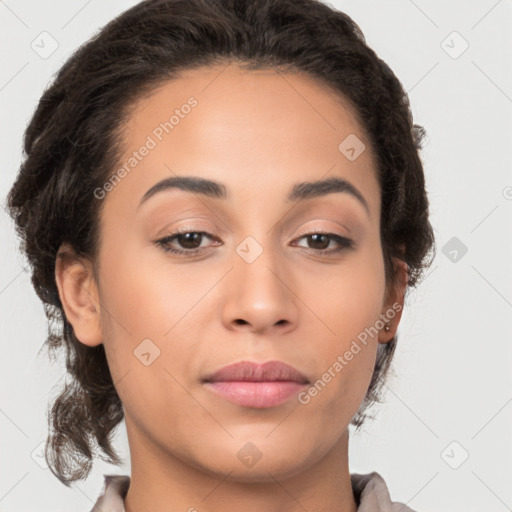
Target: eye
190, 243
189, 240
319, 242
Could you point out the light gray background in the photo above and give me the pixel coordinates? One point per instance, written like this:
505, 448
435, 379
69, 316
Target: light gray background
451, 395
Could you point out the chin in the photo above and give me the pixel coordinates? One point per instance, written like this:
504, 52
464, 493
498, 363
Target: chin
250, 465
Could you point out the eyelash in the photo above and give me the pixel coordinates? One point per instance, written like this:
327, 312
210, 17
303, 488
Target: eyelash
344, 242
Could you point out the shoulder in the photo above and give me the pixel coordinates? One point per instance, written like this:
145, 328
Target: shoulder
112, 497
372, 494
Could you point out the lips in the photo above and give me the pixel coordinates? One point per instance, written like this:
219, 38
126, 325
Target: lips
256, 385
246, 371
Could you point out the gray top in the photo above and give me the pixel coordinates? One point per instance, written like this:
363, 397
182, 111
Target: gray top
370, 491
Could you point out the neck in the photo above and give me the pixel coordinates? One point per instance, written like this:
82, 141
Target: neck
166, 483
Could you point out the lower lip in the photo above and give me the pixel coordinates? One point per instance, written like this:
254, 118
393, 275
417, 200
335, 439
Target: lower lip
256, 394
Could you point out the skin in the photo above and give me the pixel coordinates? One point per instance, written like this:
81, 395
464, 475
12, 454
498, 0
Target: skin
257, 132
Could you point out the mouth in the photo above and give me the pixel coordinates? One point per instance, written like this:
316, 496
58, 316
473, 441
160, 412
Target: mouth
256, 385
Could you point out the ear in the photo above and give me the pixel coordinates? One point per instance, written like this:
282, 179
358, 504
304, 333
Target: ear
394, 302
78, 294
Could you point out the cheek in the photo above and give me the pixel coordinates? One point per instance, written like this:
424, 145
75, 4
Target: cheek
348, 297
147, 313
348, 301
146, 296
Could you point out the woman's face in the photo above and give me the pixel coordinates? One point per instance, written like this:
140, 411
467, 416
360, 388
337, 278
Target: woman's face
255, 287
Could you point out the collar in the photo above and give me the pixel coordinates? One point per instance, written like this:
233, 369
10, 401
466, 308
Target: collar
370, 491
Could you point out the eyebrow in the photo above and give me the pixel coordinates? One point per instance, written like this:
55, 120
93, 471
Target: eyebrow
216, 190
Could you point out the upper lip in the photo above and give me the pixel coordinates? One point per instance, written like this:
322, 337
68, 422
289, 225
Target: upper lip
257, 372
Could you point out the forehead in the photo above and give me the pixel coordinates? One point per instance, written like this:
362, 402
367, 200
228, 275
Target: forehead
257, 131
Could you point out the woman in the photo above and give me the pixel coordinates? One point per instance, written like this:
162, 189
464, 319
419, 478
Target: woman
224, 206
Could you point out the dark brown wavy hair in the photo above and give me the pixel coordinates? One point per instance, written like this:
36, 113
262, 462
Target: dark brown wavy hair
73, 144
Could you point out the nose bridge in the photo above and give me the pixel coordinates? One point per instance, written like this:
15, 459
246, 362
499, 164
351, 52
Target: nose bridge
257, 294
256, 268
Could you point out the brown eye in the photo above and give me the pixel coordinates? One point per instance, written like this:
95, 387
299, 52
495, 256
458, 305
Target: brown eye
189, 240
184, 243
319, 242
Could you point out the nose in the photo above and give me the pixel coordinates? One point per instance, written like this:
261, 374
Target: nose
258, 295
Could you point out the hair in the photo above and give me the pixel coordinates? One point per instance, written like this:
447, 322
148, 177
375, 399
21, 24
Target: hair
74, 141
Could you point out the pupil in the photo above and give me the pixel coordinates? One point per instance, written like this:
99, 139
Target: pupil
316, 237
187, 240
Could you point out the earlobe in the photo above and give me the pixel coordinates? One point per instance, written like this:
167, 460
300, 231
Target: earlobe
394, 303
78, 294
